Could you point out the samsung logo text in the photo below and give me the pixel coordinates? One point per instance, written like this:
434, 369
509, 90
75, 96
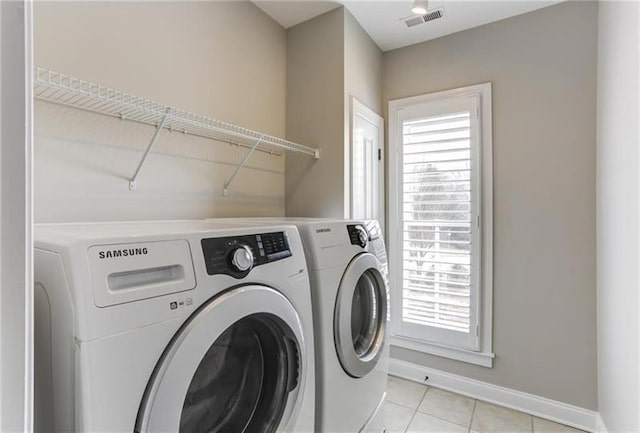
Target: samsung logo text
122, 253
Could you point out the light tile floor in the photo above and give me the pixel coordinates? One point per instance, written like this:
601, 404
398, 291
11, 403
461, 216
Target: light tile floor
415, 408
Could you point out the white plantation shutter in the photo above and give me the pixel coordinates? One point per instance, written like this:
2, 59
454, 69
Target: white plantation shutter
438, 220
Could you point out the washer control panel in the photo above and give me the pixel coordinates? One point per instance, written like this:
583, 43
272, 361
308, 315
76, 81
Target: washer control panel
237, 255
358, 235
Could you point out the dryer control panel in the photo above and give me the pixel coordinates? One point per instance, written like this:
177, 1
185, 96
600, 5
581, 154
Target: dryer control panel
358, 235
237, 255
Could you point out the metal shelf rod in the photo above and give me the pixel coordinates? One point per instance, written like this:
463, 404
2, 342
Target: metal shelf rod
132, 181
225, 190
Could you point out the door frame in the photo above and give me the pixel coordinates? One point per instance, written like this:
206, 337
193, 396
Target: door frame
16, 217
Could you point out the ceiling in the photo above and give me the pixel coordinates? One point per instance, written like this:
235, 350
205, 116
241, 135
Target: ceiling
384, 20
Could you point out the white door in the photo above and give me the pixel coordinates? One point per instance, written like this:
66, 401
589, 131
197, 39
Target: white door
367, 163
237, 365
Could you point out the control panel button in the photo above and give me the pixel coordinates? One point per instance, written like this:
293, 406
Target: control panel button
238, 255
363, 237
242, 258
358, 235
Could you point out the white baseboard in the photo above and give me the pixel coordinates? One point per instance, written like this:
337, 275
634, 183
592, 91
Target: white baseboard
542, 407
600, 426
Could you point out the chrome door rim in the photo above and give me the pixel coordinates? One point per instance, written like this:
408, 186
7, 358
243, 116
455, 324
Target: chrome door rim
354, 365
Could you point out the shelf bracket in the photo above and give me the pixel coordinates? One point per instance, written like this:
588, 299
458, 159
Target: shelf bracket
225, 190
132, 182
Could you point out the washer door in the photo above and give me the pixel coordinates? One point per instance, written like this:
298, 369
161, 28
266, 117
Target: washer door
360, 316
237, 365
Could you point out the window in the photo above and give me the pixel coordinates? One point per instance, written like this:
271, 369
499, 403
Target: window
441, 223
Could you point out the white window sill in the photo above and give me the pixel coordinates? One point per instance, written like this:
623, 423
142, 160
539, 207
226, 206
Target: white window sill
484, 359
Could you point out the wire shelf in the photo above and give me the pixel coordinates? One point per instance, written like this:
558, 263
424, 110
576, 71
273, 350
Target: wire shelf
72, 92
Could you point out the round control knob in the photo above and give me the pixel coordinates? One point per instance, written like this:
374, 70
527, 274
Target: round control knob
363, 237
242, 258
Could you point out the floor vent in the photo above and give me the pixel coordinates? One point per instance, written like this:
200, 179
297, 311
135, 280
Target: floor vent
431, 15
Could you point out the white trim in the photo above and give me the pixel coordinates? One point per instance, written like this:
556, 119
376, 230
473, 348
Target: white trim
485, 309
541, 407
29, 126
469, 356
600, 426
16, 200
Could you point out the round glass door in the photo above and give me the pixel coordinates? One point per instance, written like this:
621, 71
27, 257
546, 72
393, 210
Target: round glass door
360, 316
241, 384
364, 314
237, 365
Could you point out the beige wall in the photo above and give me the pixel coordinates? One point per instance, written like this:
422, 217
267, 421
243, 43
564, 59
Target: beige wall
618, 216
221, 59
329, 59
543, 69
315, 115
363, 65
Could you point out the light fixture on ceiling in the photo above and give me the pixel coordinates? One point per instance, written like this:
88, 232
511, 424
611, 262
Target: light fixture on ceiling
420, 7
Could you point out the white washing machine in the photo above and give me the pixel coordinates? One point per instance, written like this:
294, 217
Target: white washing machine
172, 327
347, 262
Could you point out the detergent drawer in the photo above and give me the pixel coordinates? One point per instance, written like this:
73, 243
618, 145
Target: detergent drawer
129, 272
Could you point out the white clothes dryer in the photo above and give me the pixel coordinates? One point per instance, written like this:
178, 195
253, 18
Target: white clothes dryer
182, 326
347, 263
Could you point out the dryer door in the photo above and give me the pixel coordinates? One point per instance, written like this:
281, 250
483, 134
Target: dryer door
238, 364
360, 316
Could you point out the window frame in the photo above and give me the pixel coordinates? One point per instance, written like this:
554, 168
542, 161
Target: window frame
479, 353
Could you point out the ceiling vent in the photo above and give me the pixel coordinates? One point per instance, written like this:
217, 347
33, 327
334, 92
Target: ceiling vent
431, 15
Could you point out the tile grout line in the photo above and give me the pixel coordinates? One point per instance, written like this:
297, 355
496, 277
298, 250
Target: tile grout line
391, 401
444, 419
473, 412
532, 428
418, 411
415, 411
410, 421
